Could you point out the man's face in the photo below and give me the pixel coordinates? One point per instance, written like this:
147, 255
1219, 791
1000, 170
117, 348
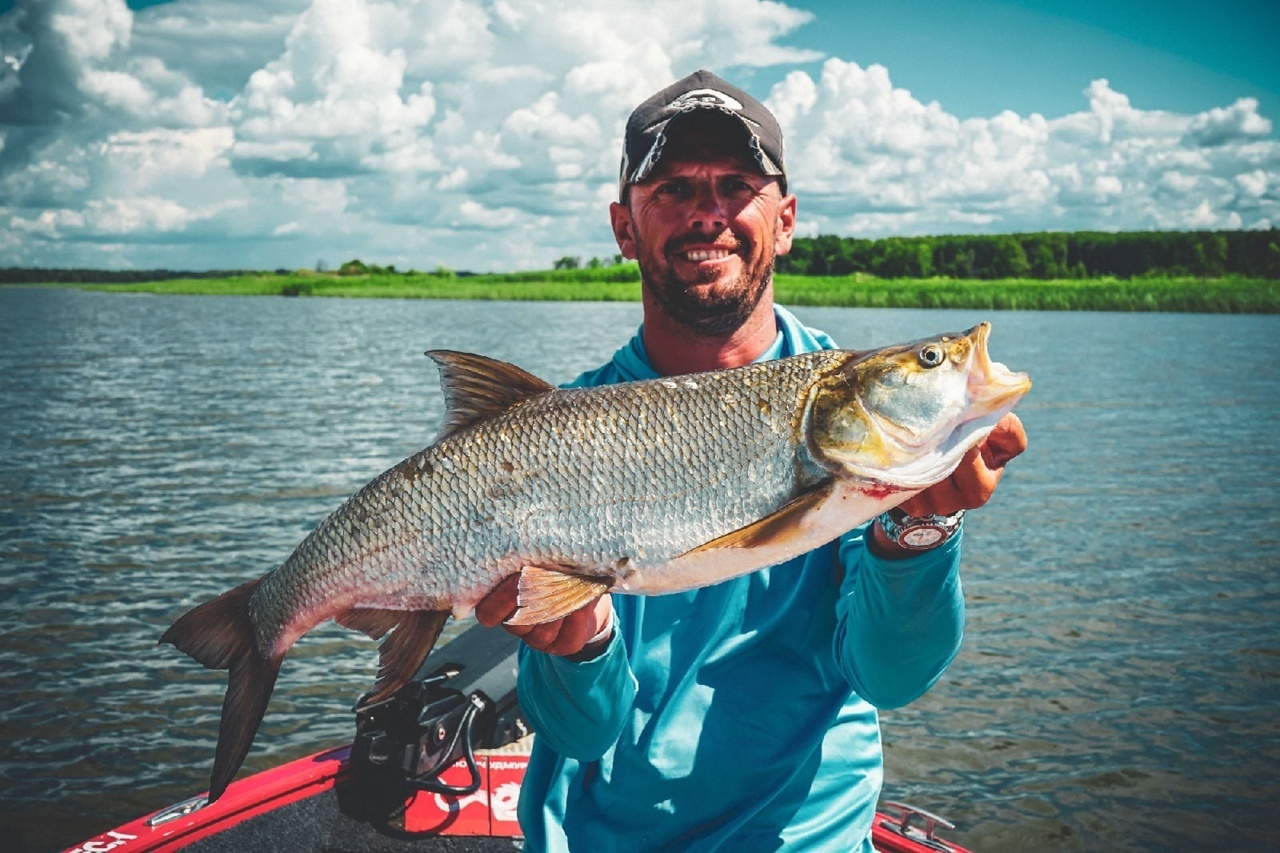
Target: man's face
705, 227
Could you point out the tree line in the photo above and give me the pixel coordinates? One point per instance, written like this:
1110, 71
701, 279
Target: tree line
1043, 255
37, 275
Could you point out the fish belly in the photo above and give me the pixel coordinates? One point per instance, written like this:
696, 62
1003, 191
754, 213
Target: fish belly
611, 482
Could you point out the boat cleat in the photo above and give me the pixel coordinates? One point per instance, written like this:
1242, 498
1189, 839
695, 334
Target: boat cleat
902, 827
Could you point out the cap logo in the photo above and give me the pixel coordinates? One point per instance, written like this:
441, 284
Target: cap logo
705, 98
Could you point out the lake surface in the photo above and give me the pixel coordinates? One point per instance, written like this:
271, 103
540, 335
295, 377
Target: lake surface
1119, 687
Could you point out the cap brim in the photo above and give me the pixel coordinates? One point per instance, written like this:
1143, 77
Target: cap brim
653, 154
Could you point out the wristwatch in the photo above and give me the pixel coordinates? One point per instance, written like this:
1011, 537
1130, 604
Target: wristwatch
919, 533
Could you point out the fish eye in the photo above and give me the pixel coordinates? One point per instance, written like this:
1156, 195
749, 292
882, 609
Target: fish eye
932, 356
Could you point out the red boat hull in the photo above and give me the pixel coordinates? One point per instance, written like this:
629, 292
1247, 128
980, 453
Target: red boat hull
249, 814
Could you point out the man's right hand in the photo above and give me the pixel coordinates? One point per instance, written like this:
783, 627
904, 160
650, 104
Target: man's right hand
567, 637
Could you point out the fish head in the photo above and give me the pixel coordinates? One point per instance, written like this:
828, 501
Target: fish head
904, 416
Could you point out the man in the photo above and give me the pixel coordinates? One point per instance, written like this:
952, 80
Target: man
739, 716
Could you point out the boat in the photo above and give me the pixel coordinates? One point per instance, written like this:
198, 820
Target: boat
435, 767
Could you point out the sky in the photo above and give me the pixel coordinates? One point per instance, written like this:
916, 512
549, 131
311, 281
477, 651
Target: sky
485, 135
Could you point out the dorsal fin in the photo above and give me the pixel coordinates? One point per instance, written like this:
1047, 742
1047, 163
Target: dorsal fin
476, 388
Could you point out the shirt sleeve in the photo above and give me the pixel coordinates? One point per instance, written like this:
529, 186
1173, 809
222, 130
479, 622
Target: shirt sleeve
899, 623
577, 708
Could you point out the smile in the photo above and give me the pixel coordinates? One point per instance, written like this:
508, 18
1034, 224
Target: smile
707, 254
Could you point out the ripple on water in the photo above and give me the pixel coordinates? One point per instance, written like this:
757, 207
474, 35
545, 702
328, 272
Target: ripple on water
1121, 669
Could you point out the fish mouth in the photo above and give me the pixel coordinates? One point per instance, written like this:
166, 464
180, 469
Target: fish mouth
992, 386
992, 391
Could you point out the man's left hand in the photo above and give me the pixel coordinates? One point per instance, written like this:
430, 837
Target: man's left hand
972, 483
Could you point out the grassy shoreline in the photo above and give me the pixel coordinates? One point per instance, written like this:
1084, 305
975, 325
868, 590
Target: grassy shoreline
619, 284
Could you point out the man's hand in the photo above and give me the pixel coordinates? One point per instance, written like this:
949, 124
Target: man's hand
972, 483
566, 637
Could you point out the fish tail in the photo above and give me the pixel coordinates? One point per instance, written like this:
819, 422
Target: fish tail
220, 635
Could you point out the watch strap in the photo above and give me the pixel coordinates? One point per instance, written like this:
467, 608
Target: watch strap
919, 532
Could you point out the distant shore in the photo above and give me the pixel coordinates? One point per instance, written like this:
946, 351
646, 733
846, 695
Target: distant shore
1231, 295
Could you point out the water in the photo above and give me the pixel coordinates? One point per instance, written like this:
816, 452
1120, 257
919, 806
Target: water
1119, 687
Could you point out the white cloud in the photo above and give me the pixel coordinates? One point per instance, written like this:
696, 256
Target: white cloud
473, 213
72, 58
1253, 184
336, 99
112, 218
872, 160
1225, 125
484, 134
91, 29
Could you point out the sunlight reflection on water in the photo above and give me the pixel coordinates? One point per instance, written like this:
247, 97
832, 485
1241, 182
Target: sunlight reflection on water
1121, 668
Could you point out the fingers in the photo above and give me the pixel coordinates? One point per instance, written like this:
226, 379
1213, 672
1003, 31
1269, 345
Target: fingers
969, 486
500, 603
571, 634
975, 479
1007, 440
567, 636
563, 637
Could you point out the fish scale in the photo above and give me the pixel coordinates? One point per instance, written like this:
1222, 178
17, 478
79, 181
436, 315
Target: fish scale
642, 488
551, 482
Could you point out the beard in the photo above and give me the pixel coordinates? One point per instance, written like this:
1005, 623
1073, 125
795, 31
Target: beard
709, 312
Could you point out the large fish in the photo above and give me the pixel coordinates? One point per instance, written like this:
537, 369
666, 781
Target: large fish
643, 488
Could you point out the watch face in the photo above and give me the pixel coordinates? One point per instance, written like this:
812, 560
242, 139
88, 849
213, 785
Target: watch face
924, 536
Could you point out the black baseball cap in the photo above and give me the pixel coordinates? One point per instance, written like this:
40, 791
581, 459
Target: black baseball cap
700, 92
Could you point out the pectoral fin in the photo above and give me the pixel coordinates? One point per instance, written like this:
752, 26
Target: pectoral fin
775, 529
410, 636
547, 594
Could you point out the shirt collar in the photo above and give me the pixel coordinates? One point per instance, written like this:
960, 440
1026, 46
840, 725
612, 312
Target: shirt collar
793, 338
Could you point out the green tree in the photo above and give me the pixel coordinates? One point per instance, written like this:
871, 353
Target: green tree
1008, 260
1046, 255
832, 256
799, 261
1211, 254
903, 258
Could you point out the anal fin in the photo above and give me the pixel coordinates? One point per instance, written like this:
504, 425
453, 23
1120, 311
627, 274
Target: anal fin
547, 594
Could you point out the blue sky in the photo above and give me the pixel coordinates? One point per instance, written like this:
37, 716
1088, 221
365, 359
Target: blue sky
484, 134
1038, 55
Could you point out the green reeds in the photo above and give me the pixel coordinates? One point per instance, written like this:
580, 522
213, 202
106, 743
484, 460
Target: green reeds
1191, 295
621, 283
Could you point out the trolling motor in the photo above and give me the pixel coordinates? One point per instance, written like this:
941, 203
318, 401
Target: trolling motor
465, 701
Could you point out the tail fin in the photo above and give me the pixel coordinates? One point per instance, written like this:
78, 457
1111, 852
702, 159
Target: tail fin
220, 635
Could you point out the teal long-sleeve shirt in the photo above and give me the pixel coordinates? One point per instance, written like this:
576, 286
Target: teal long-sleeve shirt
740, 716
